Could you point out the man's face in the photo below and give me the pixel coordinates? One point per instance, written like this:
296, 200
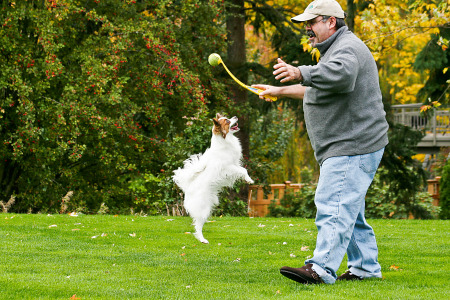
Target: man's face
318, 30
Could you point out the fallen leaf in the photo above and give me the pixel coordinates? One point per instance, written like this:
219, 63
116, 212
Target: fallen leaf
94, 237
73, 214
133, 234
187, 233
74, 297
292, 255
395, 268
237, 260
52, 226
290, 225
168, 220
261, 225
305, 248
104, 234
183, 254
75, 229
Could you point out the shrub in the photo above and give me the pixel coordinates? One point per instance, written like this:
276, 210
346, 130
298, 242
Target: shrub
383, 202
91, 93
231, 204
296, 204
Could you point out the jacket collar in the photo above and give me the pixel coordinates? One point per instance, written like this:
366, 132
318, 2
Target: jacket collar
323, 47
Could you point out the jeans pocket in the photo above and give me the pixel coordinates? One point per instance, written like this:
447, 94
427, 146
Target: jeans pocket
369, 162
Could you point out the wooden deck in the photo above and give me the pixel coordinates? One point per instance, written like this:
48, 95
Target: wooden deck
437, 127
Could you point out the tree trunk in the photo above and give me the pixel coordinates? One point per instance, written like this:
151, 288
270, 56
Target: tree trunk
350, 20
236, 59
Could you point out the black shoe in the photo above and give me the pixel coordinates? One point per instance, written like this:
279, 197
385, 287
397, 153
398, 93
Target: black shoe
303, 275
349, 276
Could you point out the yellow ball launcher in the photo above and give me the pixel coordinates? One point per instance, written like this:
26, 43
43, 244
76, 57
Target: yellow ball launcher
214, 60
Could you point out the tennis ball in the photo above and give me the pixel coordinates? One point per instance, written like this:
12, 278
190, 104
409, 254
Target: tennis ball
214, 59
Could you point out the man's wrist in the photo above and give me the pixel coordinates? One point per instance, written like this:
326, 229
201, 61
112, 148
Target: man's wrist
300, 77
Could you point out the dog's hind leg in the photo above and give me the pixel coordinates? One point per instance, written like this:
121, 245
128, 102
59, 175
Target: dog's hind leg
199, 206
198, 224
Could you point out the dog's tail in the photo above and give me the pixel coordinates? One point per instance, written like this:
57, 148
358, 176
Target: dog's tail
192, 166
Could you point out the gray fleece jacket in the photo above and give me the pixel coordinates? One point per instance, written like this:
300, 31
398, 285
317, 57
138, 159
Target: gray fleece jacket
342, 104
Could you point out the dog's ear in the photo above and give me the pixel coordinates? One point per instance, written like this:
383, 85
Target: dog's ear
218, 116
218, 128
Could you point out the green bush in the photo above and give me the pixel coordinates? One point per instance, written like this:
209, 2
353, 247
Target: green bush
383, 202
231, 204
92, 91
296, 204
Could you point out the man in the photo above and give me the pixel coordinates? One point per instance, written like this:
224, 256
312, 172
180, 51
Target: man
348, 131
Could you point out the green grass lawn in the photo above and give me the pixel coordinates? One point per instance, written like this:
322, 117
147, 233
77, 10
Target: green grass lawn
132, 257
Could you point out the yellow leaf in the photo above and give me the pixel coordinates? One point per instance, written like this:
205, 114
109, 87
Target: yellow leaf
424, 108
395, 268
445, 70
315, 54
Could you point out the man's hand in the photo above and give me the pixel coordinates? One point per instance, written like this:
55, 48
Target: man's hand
286, 72
267, 90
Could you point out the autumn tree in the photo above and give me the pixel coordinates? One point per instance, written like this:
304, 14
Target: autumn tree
409, 43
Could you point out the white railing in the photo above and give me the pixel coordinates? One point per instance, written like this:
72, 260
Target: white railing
436, 127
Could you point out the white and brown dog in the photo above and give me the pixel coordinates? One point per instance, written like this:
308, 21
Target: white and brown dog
204, 175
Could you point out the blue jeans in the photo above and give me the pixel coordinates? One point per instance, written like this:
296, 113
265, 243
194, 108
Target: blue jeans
340, 202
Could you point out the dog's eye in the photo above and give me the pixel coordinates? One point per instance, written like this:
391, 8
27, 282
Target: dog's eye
228, 121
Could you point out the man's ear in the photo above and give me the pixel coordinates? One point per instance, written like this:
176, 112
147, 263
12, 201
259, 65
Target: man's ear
332, 22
